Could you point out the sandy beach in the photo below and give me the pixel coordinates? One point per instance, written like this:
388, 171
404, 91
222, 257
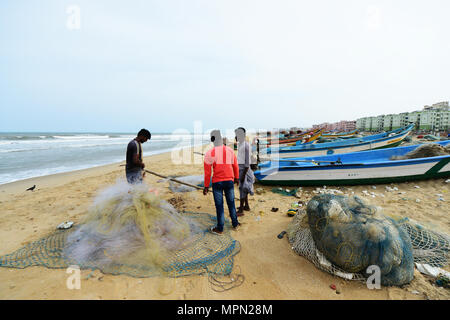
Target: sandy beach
271, 268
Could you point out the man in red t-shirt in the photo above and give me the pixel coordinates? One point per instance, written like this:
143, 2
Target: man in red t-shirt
223, 162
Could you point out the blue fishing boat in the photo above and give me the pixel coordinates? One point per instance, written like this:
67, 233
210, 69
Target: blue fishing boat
377, 141
365, 167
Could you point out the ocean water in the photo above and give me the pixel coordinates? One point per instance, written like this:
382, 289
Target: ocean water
29, 155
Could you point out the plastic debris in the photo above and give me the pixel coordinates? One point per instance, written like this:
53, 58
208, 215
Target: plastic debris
417, 200
431, 271
333, 286
389, 189
65, 225
285, 192
259, 191
281, 235
443, 281
417, 187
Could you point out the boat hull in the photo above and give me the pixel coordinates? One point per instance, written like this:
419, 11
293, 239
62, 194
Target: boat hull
377, 144
397, 171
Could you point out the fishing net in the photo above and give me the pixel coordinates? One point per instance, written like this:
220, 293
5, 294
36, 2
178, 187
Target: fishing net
425, 150
129, 230
356, 253
429, 246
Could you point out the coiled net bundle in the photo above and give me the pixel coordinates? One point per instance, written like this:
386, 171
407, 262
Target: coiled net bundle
424, 151
128, 225
428, 246
129, 230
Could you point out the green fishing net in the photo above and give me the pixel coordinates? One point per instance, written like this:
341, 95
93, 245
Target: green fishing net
129, 230
285, 192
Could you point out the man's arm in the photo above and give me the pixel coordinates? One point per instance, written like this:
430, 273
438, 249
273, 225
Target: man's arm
207, 166
137, 161
247, 161
235, 169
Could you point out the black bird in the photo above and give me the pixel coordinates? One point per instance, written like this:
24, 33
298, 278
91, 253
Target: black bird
31, 188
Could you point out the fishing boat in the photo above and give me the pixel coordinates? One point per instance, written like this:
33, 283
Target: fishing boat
377, 141
305, 137
365, 167
340, 135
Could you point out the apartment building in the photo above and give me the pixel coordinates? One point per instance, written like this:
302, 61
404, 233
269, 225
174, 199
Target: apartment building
432, 118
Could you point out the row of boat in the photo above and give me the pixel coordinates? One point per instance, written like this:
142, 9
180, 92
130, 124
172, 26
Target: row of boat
351, 161
381, 140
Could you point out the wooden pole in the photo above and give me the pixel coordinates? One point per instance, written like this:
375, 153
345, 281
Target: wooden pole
174, 180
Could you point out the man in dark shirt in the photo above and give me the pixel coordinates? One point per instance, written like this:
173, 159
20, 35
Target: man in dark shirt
135, 165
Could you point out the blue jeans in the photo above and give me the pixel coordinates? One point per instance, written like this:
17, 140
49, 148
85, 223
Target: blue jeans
218, 189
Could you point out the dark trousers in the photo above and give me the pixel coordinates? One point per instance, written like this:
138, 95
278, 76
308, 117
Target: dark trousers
134, 177
219, 188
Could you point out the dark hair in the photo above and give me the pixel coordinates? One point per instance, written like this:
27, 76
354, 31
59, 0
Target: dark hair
241, 128
145, 133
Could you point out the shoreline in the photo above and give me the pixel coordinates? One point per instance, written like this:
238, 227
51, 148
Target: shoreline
60, 178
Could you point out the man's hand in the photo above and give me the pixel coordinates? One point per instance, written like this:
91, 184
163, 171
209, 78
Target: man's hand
236, 181
143, 165
205, 190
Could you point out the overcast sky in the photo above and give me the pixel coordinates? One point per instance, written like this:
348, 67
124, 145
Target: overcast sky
259, 64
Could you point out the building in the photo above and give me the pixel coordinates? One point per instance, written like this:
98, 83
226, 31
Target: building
432, 118
346, 126
361, 124
341, 126
387, 122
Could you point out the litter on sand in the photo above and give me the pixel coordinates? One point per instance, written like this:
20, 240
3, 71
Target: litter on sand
65, 225
281, 235
285, 192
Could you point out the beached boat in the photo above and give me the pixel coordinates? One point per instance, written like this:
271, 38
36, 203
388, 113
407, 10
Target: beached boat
365, 167
377, 141
340, 135
305, 137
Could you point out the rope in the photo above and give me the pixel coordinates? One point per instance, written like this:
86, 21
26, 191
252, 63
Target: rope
235, 280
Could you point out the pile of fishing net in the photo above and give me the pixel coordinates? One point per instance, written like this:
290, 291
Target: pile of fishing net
344, 236
129, 230
424, 151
